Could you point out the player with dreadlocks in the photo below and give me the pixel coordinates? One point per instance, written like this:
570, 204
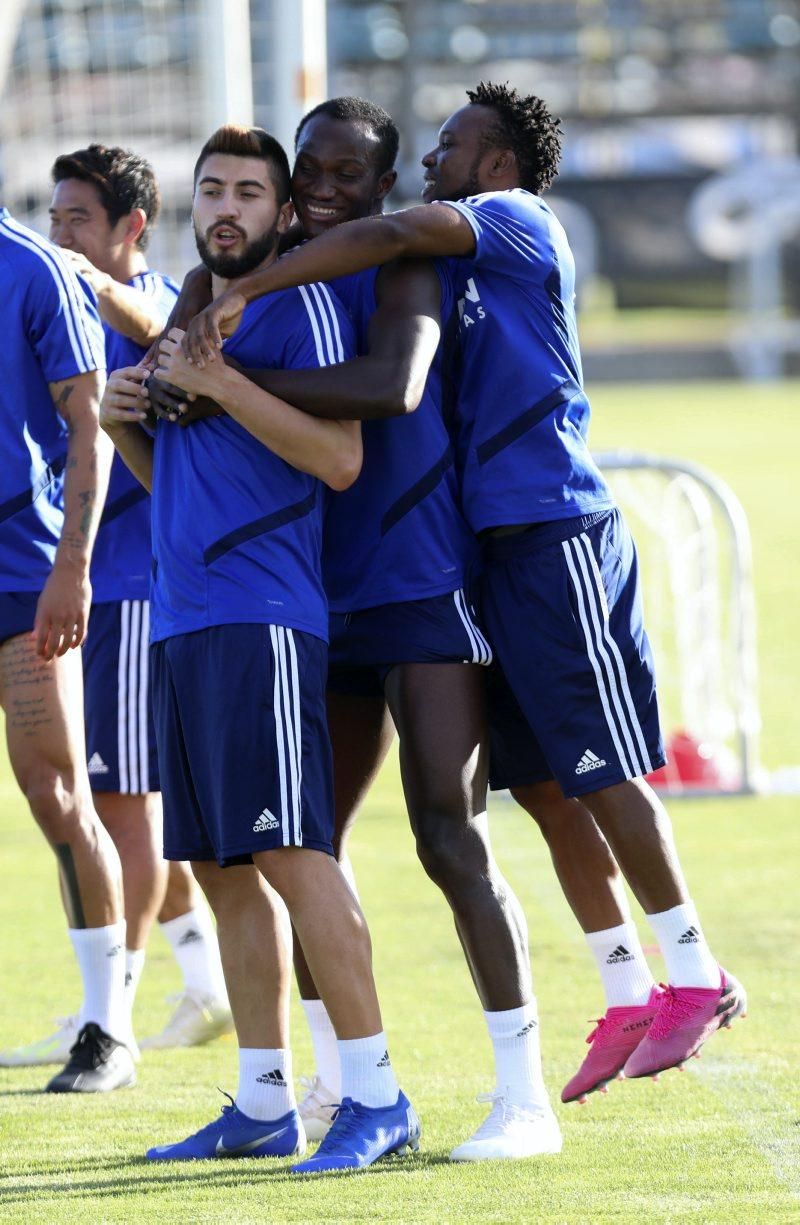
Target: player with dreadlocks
559, 586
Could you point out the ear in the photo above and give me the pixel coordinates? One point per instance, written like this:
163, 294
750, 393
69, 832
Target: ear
285, 217
385, 184
134, 226
503, 164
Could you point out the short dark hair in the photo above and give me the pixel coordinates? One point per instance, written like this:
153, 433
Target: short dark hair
237, 141
123, 181
524, 125
358, 110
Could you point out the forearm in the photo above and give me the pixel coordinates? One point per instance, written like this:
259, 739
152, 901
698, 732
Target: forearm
329, 450
89, 455
130, 312
363, 389
135, 447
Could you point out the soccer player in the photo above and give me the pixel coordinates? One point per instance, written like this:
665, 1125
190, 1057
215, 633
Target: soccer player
395, 555
559, 586
239, 625
105, 206
52, 482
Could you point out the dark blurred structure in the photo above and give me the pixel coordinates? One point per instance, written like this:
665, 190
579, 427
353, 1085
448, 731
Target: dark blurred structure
655, 96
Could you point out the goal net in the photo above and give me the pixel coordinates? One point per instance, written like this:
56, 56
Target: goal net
695, 565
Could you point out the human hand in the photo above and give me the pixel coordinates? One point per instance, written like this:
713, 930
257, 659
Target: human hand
125, 400
204, 334
62, 612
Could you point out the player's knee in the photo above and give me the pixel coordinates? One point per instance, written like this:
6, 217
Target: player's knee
451, 853
55, 804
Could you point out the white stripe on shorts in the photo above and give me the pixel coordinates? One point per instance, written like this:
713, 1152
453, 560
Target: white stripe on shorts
288, 730
481, 651
122, 695
610, 707
144, 726
623, 676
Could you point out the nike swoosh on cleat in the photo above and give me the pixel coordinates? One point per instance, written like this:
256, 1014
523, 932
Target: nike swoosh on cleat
222, 1148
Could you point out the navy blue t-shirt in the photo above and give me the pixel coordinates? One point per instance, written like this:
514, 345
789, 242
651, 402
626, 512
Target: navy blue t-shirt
237, 531
122, 553
523, 415
51, 332
397, 533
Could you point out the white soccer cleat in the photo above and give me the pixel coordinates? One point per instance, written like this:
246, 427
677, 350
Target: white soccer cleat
510, 1132
53, 1049
194, 1022
317, 1108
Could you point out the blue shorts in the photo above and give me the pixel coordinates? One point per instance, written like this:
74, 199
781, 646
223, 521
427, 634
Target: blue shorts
243, 742
368, 643
17, 613
117, 704
562, 606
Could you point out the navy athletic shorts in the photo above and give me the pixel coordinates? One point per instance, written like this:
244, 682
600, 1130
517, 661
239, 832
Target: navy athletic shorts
118, 709
562, 607
243, 742
367, 644
17, 613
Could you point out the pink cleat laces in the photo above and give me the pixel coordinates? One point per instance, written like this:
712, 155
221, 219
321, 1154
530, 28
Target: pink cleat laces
614, 1039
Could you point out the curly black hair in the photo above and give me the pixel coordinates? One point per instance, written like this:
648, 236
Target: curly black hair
123, 180
369, 115
524, 125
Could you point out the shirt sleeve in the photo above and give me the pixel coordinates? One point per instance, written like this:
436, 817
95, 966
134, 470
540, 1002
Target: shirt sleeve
512, 235
324, 335
64, 326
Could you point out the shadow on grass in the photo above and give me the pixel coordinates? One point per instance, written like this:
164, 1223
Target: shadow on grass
140, 1174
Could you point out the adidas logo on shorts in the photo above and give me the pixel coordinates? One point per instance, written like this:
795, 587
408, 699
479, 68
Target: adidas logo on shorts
96, 765
589, 761
265, 821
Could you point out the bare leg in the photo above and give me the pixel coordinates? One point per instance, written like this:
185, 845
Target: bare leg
332, 930
639, 832
439, 713
182, 893
361, 732
134, 823
586, 869
251, 928
44, 729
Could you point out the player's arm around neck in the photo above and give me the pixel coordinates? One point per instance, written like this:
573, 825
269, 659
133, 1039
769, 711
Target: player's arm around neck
423, 231
329, 450
387, 382
63, 608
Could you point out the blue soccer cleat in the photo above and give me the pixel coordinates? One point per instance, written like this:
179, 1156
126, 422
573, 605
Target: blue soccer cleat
360, 1135
233, 1134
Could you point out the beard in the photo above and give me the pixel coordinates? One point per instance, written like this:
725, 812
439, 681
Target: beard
230, 267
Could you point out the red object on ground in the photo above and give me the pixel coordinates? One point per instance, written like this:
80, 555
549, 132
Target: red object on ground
691, 765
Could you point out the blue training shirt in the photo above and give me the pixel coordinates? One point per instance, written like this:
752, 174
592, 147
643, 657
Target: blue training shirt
397, 533
522, 412
122, 553
51, 332
237, 531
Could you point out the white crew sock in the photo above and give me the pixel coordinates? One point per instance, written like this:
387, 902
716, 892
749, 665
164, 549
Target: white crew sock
626, 976
100, 952
265, 1083
194, 943
326, 1047
517, 1055
134, 964
690, 962
367, 1073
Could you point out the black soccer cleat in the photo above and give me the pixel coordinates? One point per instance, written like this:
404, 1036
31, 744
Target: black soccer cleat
97, 1063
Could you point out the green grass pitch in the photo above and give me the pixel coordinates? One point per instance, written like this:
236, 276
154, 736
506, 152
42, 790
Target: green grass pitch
720, 1143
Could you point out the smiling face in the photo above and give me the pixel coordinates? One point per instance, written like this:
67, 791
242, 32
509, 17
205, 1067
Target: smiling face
335, 175
236, 215
79, 222
459, 164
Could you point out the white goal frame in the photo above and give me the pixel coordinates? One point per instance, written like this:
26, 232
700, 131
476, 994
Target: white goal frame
724, 538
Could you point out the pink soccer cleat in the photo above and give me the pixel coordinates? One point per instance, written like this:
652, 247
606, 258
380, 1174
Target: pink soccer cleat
686, 1017
616, 1037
